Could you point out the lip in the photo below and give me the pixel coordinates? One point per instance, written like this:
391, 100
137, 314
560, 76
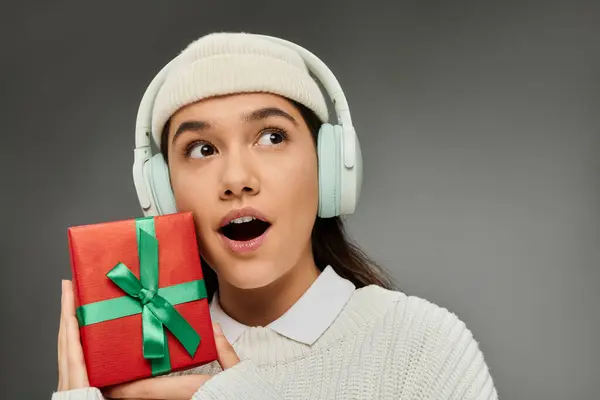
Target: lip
246, 246
243, 212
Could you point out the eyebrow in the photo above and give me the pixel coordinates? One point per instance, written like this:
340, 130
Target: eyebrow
256, 115
194, 126
267, 112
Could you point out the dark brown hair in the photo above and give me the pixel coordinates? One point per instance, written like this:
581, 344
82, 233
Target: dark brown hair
331, 244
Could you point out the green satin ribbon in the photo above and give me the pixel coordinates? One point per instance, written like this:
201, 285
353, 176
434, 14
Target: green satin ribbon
155, 305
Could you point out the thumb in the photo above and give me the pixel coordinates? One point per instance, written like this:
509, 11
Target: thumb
226, 353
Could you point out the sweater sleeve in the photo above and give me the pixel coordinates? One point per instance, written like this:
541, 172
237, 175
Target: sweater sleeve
242, 381
89, 393
436, 354
464, 373
476, 382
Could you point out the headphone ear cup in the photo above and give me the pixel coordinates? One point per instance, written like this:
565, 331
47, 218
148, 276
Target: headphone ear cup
160, 185
329, 153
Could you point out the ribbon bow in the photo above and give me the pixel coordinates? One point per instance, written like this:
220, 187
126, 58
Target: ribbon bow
156, 310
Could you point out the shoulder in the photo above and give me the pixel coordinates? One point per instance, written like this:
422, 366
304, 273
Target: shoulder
431, 344
411, 312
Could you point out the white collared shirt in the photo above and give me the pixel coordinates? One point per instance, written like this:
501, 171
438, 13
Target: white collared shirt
307, 319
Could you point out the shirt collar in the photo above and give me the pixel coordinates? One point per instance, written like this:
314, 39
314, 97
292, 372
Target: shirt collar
307, 319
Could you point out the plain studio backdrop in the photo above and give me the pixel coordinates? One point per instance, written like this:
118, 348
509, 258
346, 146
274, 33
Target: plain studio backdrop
479, 124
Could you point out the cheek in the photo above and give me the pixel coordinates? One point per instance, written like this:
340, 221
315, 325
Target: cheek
296, 185
193, 194
185, 192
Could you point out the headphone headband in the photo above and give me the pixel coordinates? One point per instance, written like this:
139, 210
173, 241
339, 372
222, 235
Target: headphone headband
143, 126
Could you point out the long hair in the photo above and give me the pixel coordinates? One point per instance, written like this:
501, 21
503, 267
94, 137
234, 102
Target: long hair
331, 244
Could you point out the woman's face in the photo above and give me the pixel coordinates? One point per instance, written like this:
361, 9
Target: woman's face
248, 157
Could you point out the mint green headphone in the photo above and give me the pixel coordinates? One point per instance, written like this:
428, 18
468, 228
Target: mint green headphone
339, 155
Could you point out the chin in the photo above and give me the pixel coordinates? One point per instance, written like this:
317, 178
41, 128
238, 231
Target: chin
250, 274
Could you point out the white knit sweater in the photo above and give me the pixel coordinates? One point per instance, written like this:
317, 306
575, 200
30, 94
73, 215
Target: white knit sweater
383, 345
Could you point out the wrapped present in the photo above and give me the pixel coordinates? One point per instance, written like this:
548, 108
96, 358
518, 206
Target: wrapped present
140, 298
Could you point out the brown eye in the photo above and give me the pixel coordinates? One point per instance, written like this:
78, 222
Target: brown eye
272, 138
201, 150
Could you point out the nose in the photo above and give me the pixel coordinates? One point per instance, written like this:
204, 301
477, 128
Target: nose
239, 177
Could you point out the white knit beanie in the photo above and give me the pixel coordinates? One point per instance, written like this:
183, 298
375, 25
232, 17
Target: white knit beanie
227, 63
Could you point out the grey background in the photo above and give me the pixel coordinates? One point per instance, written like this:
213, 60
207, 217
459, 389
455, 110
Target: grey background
480, 131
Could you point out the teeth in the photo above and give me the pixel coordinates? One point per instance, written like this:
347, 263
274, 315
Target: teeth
242, 220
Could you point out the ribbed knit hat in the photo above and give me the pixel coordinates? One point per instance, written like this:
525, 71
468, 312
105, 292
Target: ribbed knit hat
228, 63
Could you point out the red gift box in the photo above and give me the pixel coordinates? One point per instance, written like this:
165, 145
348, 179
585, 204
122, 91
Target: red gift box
116, 327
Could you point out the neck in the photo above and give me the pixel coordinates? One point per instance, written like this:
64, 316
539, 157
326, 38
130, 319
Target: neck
261, 306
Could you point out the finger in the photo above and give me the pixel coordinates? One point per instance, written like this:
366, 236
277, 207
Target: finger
226, 353
76, 363
63, 370
168, 387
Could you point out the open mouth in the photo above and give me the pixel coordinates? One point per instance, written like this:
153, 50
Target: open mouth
244, 228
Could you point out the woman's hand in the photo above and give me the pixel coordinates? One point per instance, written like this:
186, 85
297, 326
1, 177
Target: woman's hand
175, 387
72, 373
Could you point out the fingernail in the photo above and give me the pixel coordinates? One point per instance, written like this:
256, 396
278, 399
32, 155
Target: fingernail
217, 329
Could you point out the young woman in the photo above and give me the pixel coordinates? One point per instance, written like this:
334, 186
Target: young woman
299, 311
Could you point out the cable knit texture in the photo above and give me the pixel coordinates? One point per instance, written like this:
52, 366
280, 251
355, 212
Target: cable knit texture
383, 345
225, 63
